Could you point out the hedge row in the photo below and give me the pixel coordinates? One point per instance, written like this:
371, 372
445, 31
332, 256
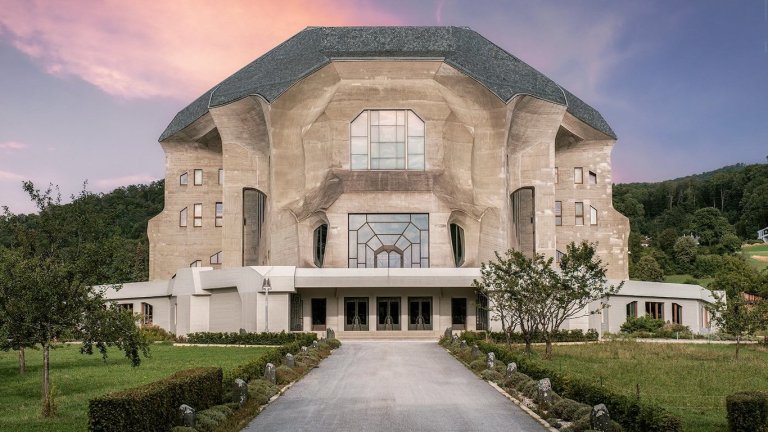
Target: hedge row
244, 338
747, 411
559, 336
633, 414
154, 406
255, 368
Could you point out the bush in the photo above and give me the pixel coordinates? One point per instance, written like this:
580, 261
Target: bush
244, 338
261, 391
566, 409
747, 411
558, 336
477, 365
285, 375
153, 333
255, 368
647, 269
333, 343
644, 323
154, 406
707, 266
491, 375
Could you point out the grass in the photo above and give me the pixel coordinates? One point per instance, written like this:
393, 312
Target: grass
681, 278
77, 378
690, 380
757, 255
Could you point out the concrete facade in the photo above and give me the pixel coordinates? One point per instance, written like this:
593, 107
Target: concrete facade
501, 147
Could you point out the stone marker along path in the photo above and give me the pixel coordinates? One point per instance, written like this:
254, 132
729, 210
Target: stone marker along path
392, 386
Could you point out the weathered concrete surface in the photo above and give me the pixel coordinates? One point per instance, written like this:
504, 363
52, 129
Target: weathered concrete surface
392, 386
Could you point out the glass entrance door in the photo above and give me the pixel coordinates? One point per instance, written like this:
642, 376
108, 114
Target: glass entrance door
459, 313
388, 313
420, 313
355, 314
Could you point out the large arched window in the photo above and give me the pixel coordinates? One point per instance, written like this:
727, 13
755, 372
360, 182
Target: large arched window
457, 244
319, 239
387, 140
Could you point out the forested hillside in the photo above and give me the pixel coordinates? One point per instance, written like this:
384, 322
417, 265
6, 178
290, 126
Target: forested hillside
103, 233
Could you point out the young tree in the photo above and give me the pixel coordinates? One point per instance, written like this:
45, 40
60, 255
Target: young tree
737, 316
648, 269
568, 293
44, 296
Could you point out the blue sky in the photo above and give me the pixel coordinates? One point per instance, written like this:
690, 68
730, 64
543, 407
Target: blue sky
88, 87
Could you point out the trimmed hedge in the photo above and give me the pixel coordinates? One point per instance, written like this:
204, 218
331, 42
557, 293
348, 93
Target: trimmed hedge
235, 338
154, 406
633, 414
747, 411
559, 336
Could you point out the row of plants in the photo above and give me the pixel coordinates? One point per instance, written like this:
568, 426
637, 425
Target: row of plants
633, 414
577, 335
210, 391
246, 338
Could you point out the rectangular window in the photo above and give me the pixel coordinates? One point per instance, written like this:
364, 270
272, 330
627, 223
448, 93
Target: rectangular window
219, 214
183, 217
387, 140
579, 213
184, 179
677, 313
196, 263
592, 215
198, 177
216, 258
632, 309
198, 215
592, 178
558, 213
578, 175
557, 176
655, 310
146, 313
558, 256
221, 176
126, 306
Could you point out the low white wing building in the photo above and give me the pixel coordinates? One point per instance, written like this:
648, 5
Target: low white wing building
357, 177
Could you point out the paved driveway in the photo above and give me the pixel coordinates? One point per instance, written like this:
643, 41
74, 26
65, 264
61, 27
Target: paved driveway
392, 386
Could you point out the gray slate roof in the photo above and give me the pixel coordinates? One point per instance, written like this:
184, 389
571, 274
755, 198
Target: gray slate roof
462, 48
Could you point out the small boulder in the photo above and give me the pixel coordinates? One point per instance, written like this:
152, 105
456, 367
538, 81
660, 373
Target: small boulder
187, 414
269, 373
600, 419
240, 391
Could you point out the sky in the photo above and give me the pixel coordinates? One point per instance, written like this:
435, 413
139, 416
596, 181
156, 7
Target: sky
88, 86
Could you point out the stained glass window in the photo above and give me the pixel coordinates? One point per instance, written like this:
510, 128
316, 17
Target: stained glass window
389, 240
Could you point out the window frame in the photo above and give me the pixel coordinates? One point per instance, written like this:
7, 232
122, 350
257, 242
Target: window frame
219, 215
578, 175
216, 259
592, 215
557, 175
579, 214
196, 263
197, 220
184, 179
126, 306
558, 255
221, 176
592, 176
632, 309
558, 213
184, 217
458, 245
655, 310
195, 178
677, 313
147, 312
406, 140
319, 244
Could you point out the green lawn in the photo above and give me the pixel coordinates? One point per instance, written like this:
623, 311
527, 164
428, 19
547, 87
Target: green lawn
691, 381
681, 278
78, 378
757, 255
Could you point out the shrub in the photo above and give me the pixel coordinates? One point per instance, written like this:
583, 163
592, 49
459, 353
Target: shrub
154, 406
244, 338
706, 266
477, 365
255, 368
183, 429
491, 375
153, 333
333, 343
647, 269
285, 375
747, 411
261, 391
577, 335
644, 323
566, 409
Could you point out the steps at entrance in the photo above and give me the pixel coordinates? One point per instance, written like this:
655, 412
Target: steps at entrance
395, 335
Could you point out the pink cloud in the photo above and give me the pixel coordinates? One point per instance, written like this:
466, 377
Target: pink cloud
12, 145
144, 49
7, 176
112, 183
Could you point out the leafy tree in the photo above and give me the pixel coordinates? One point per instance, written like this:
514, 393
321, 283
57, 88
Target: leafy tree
737, 316
685, 250
710, 226
648, 269
666, 240
44, 292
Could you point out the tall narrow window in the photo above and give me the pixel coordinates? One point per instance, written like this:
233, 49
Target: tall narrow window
183, 217
219, 214
557, 175
221, 176
579, 213
387, 140
254, 215
184, 179
677, 313
198, 177
319, 238
558, 213
196, 263
655, 310
578, 175
216, 258
558, 256
457, 243
592, 178
632, 309
146, 313
198, 215
592, 215
481, 312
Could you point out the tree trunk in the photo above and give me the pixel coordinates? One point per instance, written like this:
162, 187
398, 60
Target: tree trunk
22, 362
528, 348
738, 342
47, 402
548, 349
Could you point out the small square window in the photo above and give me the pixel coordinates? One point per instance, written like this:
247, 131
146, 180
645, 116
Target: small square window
198, 215
219, 214
221, 176
592, 215
592, 178
198, 177
579, 213
184, 179
216, 258
578, 175
183, 217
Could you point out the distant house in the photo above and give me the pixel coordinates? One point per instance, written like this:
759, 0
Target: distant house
763, 235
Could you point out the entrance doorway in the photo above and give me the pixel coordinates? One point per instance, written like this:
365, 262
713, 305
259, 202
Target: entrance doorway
318, 314
388, 313
420, 313
355, 314
459, 313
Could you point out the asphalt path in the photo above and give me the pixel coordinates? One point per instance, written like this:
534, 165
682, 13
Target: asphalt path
392, 386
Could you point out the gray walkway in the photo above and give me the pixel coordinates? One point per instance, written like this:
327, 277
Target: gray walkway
392, 386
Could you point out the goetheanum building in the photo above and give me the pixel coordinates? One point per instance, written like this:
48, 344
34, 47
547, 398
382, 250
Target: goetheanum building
356, 178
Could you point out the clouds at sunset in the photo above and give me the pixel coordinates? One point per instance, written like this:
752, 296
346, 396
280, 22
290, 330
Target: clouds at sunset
145, 49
